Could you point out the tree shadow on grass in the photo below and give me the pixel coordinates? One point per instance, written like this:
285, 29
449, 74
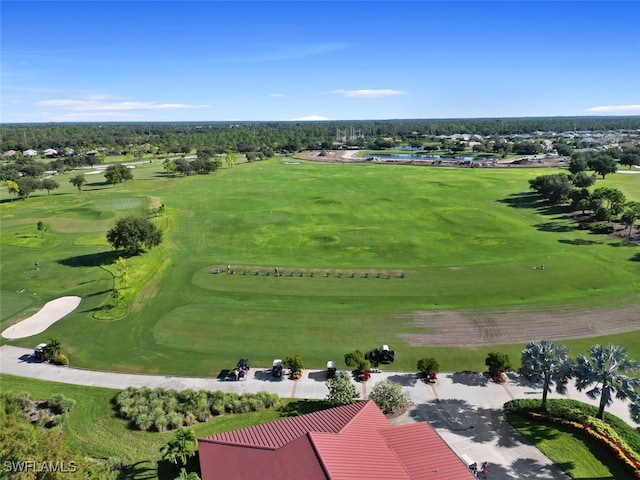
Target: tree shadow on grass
522, 200
301, 407
533, 201
555, 227
580, 241
636, 257
139, 470
91, 260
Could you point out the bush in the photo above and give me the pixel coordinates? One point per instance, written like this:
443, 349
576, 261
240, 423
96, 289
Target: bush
61, 359
174, 420
356, 360
428, 365
160, 422
497, 363
59, 404
218, 407
341, 390
388, 396
294, 363
144, 421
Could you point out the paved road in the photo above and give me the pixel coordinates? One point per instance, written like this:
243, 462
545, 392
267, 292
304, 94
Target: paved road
464, 408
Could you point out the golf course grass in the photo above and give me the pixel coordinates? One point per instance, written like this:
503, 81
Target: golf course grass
438, 239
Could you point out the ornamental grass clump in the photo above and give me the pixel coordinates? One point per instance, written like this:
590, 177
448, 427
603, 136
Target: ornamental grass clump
170, 409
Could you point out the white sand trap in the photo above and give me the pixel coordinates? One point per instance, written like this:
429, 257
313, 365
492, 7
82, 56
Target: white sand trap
47, 316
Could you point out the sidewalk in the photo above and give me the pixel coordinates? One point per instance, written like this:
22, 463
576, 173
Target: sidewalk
464, 408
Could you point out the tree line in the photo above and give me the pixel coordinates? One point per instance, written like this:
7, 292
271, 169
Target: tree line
284, 137
604, 203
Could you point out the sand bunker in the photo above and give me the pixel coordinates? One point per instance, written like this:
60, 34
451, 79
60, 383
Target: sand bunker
47, 316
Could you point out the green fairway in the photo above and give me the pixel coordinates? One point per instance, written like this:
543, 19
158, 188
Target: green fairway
437, 238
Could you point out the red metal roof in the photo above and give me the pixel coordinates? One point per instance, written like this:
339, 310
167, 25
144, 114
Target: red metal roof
277, 434
350, 442
424, 453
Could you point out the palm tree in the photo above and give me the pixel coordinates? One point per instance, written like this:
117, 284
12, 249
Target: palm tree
182, 447
53, 348
609, 368
549, 362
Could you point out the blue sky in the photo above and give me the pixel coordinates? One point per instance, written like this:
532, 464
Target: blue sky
336, 60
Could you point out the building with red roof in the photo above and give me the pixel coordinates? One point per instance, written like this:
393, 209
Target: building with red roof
349, 442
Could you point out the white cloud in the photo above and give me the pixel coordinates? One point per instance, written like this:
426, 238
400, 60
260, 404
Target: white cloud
615, 109
277, 95
310, 118
95, 104
369, 93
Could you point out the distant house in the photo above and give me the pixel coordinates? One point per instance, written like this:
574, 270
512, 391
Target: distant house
50, 152
30, 153
8, 153
350, 442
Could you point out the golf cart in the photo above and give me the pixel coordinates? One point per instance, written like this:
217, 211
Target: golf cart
38, 352
380, 355
331, 369
276, 369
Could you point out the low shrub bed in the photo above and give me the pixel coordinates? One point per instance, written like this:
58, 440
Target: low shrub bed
615, 434
162, 410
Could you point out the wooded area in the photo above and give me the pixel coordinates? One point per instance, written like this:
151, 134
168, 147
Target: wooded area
283, 137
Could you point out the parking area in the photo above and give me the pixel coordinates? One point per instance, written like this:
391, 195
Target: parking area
464, 408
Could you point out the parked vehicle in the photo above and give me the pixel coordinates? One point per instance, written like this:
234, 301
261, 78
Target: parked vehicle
38, 351
331, 369
380, 355
276, 369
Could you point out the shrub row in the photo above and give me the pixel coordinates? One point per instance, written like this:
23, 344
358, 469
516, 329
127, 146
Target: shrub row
616, 435
162, 409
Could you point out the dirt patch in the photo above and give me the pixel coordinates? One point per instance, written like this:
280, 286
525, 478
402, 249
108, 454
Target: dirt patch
472, 328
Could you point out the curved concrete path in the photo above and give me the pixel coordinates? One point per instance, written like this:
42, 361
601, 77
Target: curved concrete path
464, 408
